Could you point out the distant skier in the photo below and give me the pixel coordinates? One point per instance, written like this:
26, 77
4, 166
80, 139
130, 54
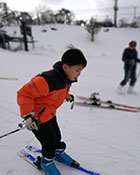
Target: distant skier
130, 59
39, 100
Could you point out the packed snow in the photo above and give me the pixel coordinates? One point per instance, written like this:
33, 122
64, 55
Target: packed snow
106, 141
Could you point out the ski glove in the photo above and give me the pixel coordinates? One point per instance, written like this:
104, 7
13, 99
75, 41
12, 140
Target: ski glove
70, 98
31, 122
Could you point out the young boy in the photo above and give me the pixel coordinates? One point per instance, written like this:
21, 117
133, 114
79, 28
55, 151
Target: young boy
39, 100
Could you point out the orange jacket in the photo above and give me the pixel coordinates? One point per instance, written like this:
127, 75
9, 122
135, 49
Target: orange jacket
44, 93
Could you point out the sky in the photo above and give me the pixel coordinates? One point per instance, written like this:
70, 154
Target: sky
81, 8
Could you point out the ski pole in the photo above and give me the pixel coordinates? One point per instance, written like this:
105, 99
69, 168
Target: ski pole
16, 130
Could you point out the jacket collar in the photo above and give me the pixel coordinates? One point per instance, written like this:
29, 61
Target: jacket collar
58, 68
131, 48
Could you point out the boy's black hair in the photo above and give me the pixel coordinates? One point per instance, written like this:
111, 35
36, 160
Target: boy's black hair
74, 56
133, 43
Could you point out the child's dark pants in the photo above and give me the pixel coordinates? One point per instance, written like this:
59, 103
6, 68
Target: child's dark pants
49, 136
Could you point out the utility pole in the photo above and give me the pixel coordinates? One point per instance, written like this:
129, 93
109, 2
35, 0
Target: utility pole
135, 9
115, 12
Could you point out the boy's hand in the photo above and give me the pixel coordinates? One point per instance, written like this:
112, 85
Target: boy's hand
31, 122
70, 98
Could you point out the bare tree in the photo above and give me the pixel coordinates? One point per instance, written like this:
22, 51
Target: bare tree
38, 11
4, 12
123, 23
48, 17
93, 27
64, 16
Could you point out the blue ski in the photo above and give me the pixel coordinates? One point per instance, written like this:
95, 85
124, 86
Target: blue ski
38, 152
29, 158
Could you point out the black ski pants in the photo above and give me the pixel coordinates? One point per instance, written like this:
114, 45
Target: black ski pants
49, 136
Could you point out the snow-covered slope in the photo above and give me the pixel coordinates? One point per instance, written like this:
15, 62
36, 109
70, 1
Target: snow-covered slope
103, 140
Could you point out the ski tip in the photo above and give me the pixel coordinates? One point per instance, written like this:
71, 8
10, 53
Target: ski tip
88, 171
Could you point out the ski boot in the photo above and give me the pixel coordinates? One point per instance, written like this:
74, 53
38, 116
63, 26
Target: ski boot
48, 166
131, 90
121, 89
63, 157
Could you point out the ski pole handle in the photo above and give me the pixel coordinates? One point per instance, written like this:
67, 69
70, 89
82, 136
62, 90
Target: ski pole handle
20, 125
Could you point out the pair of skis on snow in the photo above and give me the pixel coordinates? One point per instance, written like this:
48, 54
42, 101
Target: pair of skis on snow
93, 101
32, 155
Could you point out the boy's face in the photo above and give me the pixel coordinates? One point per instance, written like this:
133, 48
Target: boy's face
72, 72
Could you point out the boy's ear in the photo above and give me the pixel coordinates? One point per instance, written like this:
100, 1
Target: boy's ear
64, 66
